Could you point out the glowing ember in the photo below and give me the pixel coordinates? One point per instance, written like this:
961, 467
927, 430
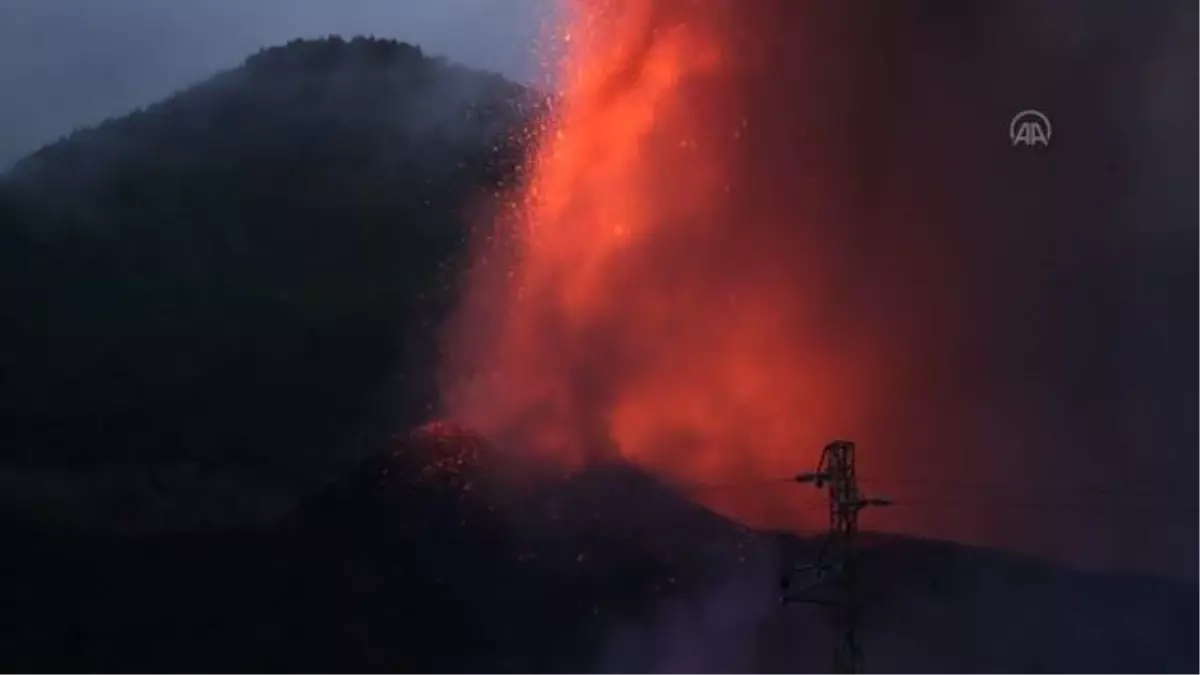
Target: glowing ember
448, 448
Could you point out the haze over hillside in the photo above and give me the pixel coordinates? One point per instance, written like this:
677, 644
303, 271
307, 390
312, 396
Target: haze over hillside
66, 64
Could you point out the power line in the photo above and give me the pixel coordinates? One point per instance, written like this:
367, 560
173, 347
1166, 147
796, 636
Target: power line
1124, 500
1045, 505
943, 484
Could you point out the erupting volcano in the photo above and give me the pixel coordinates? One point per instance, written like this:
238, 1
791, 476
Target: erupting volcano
712, 270
665, 292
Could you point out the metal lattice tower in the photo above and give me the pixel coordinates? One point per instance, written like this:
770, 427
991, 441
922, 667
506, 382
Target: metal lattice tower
832, 580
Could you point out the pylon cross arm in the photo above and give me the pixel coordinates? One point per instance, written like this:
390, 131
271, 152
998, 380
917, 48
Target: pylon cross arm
862, 503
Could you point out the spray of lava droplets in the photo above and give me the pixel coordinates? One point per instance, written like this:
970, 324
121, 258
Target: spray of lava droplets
660, 296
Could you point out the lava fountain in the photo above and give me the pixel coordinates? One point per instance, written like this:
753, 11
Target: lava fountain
665, 293
751, 227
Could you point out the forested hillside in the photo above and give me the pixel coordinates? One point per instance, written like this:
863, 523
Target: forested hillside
228, 290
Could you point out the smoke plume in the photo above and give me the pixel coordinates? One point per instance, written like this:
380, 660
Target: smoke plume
751, 228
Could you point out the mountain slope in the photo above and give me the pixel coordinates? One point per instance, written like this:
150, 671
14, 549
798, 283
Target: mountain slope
224, 281
421, 560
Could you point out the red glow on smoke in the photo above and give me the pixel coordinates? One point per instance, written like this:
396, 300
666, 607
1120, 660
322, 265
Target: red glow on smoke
680, 287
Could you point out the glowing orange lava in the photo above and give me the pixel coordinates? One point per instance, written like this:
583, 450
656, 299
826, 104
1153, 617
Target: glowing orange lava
660, 300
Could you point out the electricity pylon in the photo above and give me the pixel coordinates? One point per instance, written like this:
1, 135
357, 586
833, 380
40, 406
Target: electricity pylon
832, 580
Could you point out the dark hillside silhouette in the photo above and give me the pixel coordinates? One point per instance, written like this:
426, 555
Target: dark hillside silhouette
413, 565
224, 281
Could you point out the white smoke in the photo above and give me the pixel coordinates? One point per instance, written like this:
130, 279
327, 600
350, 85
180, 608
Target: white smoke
716, 629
